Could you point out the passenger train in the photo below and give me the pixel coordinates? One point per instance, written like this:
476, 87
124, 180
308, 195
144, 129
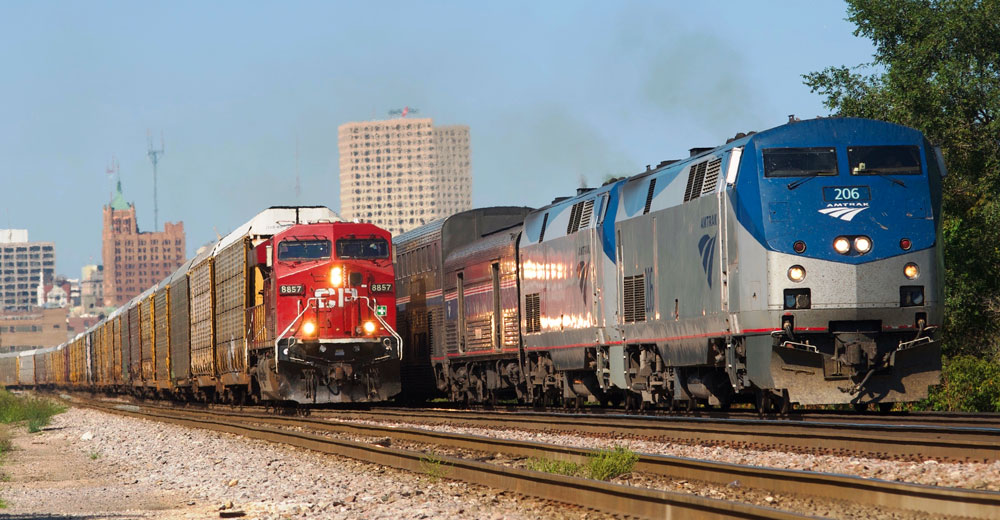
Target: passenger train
295, 306
795, 265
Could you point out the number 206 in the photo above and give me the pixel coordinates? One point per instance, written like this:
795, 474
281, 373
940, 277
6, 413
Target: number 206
846, 194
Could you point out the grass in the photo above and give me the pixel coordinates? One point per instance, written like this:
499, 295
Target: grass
433, 466
94, 455
559, 467
600, 465
34, 412
5, 447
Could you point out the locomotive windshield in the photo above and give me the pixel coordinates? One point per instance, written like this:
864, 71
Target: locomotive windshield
363, 248
877, 160
799, 162
304, 250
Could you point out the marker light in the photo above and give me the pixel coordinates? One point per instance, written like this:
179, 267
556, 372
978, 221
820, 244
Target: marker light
863, 244
905, 244
911, 271
842, 245
336, 276
308, 328
369, 327
796, 273
799, 247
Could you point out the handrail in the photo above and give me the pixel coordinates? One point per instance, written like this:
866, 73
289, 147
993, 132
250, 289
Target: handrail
277, 340
370, 302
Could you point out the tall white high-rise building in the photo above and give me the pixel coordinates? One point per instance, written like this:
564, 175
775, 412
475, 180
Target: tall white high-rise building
402, 173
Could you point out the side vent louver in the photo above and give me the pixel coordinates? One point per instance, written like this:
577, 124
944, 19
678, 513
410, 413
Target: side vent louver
545, 222
586, 214
579, 216
649, 196
712, 176
532, 313
696, 179
634, 296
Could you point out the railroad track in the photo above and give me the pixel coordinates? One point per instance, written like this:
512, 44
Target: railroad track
907, 442
612, 498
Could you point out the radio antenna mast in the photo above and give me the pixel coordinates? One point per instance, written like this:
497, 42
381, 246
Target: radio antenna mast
154, 156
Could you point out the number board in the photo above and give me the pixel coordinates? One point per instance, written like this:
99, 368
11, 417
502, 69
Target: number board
381, 287
846, 193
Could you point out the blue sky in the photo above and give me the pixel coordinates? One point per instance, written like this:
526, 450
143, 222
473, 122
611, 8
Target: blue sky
557, 94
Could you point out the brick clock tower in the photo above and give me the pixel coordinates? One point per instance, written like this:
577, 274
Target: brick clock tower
134, 261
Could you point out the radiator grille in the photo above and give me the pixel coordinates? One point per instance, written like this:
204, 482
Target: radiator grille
579, 216
696, 180
532, 313
634, 296
712, 176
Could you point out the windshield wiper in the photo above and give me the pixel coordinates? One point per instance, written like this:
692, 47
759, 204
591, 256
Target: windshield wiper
795, 184
883, 174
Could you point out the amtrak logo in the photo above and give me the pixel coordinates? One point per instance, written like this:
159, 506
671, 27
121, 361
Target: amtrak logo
706, 246
844, 212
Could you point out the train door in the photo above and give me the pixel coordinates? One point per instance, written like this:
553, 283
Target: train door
497, 320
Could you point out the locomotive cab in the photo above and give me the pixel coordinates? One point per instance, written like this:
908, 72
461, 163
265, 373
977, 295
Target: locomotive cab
331, 288
849, 226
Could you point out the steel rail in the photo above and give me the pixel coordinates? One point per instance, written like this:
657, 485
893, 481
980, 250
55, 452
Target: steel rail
918, 442
895, 495
612, 498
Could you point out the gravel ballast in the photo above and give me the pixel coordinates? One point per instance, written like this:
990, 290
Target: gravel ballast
970, 475
194, 473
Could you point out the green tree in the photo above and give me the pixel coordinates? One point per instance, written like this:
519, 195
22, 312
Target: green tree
937, 68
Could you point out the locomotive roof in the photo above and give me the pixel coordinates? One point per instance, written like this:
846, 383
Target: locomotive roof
276, 218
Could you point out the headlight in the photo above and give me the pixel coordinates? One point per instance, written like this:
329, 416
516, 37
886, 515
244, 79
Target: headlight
911, 271
336, 276
842, 245
796, 273
863, 244
369, 327
308, 328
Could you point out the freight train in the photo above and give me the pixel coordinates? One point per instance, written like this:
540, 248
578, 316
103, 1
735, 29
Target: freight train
294, 306
795, 265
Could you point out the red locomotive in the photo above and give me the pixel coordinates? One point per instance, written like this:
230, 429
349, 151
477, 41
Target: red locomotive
329, 287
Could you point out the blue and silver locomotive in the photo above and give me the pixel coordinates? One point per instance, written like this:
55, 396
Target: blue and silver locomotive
795, 265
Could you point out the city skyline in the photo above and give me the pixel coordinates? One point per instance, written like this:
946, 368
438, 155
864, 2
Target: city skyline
252, 95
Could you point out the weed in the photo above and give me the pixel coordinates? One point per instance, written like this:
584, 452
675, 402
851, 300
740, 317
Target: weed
433, 466
558, 467
34, 411
4, 477
94, 455
608, 464
3, 504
